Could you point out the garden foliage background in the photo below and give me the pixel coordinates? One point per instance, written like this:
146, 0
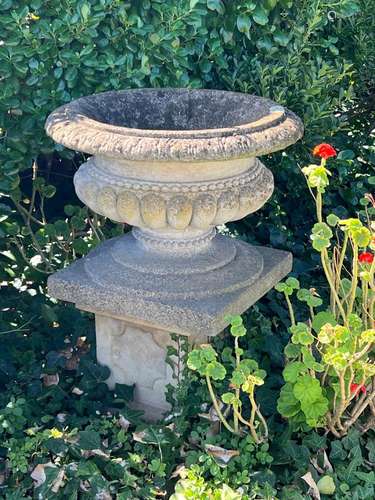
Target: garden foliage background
316, 57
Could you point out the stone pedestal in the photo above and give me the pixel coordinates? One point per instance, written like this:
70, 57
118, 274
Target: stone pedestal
174, 163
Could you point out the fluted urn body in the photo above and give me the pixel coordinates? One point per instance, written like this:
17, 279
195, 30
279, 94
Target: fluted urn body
173, 163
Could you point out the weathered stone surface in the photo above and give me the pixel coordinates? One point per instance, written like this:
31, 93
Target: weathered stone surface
179, 205
174, 163
152, 299
174, 124
126, 347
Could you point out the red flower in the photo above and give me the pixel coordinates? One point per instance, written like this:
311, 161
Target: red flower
366, 258
357, 388
324, 151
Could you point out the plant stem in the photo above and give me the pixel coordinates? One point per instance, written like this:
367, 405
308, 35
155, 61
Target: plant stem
354, 279
237, 391
216, 406
341, 260
36, 245
26, 258
327, 272
324, 254
352, 375
312, 314
365, 302
360, 410
359, 401
319, 204
33, 193
252, 417
371, 311
290, 308
240, 418
325, 375
359, 355
331, 427
342, 406
23, 211
263, 421
93, 229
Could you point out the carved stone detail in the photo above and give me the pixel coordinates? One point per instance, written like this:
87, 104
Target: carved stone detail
227, 207
133, 124
103, 176
204, 211
125, 347
153, 210
168, 243
179, 212
153, 205
107, 202
128, 207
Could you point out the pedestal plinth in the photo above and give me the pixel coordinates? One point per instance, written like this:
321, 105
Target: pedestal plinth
137, 355
136, 311
97, 283
174, 163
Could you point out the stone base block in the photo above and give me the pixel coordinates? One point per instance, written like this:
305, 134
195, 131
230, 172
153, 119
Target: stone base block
137, 356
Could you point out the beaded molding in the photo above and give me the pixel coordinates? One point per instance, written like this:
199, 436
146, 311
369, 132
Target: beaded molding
92, 170
164, 243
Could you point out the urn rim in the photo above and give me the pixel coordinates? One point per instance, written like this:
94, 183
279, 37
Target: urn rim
174, 124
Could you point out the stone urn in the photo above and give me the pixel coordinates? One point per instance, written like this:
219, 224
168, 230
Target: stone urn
173, 163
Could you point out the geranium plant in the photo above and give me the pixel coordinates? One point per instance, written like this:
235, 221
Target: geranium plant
246, 376
330, 371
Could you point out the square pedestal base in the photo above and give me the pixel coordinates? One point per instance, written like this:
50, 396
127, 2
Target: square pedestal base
186, 315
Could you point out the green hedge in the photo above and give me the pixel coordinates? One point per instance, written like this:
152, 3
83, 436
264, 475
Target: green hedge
313, 56
54, 51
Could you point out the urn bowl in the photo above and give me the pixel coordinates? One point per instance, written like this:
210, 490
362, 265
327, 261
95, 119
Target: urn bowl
174, 162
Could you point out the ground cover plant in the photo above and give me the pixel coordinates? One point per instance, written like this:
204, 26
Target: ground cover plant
63, 433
